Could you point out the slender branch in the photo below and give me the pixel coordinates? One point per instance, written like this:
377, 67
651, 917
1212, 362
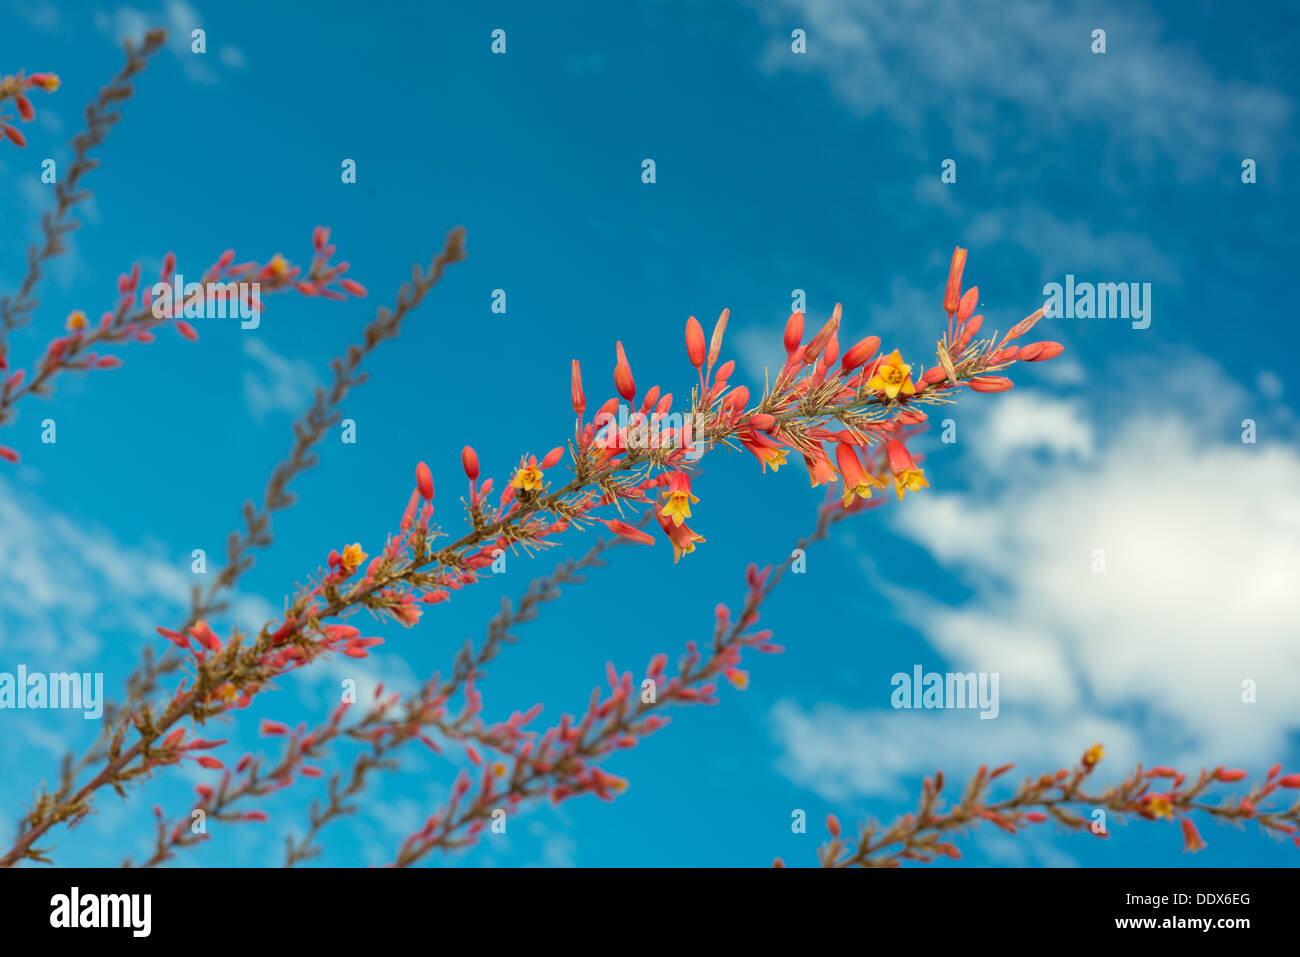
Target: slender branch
101, 116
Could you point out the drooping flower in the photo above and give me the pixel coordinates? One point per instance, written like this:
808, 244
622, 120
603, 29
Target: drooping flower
820, 470
893, 377
682, 537
1192, 840
907, 477
680, 499
765, 450
857, 482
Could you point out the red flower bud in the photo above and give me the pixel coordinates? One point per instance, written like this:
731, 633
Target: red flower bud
990, 383
861, 353
793, 332
968, 303
623, 380
952, 295
424, 481
695, 342
1041, 351
469, 461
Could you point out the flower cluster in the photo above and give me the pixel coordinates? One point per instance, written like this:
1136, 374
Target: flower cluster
16, 88
1154, 794
133, 317
849, 414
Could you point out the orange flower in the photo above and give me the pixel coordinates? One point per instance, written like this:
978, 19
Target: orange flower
353, 556
856, 481
820, 470
77, 321
278, 266
892, 377
907, 477
1192, 840
679, 498
765, 450
682, 538
1093, 755
528, 477
1159, 805
739, 679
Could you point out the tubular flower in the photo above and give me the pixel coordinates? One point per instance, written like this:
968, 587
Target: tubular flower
820, 470
856, 481
892, 377
765, 450
682, 538
1192, 840
679, 498
528, 477
353, 556
907, 477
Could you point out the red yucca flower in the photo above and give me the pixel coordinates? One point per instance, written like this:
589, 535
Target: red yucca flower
849, 414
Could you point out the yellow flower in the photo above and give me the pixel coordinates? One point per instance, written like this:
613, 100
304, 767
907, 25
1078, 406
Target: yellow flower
1093, 755
353, 556
528, 478
1161, 806
279, 266
911, 480
679, 498
892, 377
77, 321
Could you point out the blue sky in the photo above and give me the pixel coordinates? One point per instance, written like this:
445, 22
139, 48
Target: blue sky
776, 171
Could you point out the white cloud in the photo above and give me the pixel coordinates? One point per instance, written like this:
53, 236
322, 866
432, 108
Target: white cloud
840, 753
1201, 540
278, 384
966, 65
1019, 422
